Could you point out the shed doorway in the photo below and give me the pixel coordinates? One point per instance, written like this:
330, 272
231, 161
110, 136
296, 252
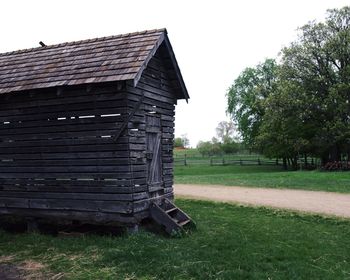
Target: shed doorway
154, 154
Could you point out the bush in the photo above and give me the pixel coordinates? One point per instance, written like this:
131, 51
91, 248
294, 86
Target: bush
230, 147
178, 143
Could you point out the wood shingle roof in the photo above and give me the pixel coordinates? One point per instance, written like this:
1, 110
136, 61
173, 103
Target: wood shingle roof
107, 59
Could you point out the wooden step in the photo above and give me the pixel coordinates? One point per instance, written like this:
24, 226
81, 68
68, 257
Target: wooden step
184, 222
171, 210
169, 216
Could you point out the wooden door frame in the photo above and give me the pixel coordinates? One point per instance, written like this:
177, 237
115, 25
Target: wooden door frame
160, 185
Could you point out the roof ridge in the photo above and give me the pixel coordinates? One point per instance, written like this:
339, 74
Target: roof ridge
96, 39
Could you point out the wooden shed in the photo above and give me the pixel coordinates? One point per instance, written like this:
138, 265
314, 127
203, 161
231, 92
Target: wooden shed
87, 128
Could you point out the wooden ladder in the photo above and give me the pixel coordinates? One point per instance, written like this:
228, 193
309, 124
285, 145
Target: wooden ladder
171, 217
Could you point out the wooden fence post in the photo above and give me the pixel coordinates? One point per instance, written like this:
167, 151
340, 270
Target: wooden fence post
185, 160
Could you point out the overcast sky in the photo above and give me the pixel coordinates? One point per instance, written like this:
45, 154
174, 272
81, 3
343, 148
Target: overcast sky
212, 40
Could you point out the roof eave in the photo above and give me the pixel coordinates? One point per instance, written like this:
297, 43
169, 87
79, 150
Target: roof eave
177, 69
164, 38
148, 58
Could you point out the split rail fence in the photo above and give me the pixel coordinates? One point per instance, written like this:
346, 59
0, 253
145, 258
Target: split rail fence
224, 161
243, 160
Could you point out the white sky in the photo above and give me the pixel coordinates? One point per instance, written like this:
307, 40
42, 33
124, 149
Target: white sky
212, 40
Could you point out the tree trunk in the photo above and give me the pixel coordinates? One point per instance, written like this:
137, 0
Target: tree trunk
335, 154
324, 159
305, 160
294, 163
285, 163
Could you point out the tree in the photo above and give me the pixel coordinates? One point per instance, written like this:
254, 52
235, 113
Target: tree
319, 64
284, 132
178, 143
230, 147
209, 148
225, 131
181, 142
246, 99
215, 148
204, 148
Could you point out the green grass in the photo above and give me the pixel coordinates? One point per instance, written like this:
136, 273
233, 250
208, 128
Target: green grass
231, 242
263, 176
188, 152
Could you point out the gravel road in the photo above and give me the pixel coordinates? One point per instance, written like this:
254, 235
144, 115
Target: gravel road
326, 203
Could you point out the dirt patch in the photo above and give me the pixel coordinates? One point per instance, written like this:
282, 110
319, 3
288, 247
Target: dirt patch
326, 203
27, 270
10, 272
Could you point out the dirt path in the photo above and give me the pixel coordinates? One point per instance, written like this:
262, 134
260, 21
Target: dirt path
327, 203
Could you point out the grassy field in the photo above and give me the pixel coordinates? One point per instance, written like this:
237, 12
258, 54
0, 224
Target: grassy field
231, 242
262, 176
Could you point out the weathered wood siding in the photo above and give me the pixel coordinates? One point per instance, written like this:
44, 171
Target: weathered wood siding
58, 154
158, 91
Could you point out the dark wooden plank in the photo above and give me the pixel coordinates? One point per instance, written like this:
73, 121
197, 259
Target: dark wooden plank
101, 188
63, 135
106, 139
25, 183
71, 162
71, 149
70, 155
62, 121
74, 196
67, 204
42, 173
97, 217
82, 125
152, 94
27, 105
71, 169
68, 110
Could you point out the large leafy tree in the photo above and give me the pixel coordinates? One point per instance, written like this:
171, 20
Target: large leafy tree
246, 99
285, 132
319, 63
